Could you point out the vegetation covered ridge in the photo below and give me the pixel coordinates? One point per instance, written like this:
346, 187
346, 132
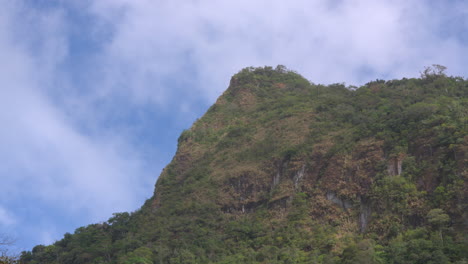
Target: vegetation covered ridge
281, 170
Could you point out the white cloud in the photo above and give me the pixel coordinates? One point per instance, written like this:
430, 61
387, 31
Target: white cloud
45, 156
327, 42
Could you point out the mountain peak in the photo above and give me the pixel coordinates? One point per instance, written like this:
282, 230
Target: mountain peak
280, 170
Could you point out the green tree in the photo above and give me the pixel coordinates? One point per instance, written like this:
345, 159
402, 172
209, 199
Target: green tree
438, 219
433, 71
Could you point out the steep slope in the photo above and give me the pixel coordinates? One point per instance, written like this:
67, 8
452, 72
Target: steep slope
283, 171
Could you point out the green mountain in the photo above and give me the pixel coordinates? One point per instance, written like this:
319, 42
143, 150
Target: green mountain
280, 170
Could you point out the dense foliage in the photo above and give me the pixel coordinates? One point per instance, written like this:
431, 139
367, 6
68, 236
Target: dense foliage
280, 170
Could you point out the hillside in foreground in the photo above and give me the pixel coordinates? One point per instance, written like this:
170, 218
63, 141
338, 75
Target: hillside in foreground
280, 170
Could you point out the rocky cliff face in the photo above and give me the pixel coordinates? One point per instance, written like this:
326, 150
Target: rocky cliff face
272, 135
283, 171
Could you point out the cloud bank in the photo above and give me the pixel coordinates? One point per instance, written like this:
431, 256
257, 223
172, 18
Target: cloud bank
51, 170
327, 41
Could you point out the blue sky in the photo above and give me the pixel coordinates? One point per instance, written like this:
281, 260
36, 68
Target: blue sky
94, 94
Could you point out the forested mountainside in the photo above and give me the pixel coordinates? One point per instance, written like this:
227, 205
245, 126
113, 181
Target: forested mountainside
280, 170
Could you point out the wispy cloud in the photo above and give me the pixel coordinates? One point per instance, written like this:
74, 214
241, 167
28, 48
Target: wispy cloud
49, 163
